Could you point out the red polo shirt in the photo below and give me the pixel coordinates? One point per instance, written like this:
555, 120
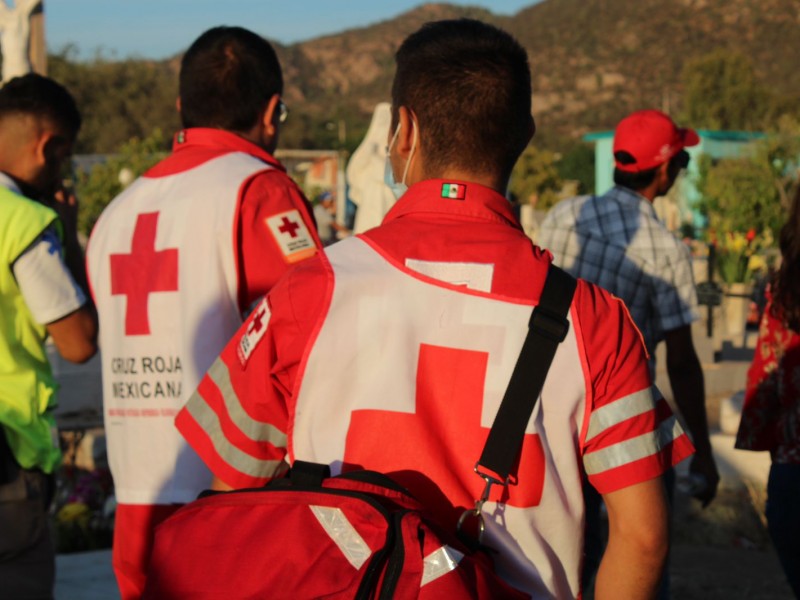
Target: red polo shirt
260, 260
478, 228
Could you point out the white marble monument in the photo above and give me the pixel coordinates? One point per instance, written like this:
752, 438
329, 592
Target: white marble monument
366, 169
15, 35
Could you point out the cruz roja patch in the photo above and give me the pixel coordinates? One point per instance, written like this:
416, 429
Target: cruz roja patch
291, 235
255, 331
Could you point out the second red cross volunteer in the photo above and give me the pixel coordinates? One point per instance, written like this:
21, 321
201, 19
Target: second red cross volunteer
407, 379
175, 261
392, 350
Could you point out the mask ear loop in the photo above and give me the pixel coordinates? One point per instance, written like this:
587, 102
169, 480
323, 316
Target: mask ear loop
394, 139
413, 147
389, 150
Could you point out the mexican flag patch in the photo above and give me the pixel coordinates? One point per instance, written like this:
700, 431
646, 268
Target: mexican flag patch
454, 191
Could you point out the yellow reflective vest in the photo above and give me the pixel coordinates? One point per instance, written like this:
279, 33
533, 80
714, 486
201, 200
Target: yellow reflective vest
27, 387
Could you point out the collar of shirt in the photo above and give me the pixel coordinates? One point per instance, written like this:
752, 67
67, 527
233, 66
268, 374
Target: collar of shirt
7, 182
192, 147
457, 198
632, 199
221, 141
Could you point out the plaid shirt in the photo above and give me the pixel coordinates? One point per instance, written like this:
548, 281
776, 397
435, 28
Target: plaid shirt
617, 242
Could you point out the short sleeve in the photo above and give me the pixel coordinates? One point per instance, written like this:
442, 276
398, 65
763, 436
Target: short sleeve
275, 230
49, 290
631, 435
675, 297
238, 418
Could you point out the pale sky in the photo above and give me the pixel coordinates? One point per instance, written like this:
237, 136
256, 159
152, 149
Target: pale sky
162, 28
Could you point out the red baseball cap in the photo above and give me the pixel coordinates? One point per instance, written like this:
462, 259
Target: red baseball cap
647, 138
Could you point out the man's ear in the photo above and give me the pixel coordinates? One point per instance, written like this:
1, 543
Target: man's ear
178, 104
405, 137
662, 174
45, 146
271, 115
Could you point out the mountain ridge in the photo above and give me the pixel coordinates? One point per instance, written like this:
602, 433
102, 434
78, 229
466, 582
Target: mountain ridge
592, 61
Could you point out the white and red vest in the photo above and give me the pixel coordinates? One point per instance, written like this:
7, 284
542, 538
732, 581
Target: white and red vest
367, 397
162, 266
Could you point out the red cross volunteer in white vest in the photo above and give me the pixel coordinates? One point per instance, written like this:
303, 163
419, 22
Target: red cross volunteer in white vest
392, 350
176, 260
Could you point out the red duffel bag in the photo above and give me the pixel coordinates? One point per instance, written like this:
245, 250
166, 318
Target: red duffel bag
357, 535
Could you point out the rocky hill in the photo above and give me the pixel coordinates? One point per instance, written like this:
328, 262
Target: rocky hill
591, 60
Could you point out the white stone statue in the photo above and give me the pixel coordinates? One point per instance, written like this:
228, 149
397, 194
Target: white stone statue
15, 34
365, 172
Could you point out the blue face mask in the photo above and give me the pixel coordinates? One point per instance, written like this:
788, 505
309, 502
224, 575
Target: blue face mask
398, 188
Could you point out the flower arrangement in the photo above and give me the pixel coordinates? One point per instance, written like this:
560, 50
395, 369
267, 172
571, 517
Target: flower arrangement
740, 256
83, 509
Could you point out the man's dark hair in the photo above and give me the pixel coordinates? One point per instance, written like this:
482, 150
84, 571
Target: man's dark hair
642, 179
227, 77
41, 97
469, 85
635, 181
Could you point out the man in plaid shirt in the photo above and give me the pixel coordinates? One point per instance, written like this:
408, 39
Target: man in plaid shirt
617, 242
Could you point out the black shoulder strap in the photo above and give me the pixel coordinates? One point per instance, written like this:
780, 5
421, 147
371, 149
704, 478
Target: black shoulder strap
547, 328
308, 474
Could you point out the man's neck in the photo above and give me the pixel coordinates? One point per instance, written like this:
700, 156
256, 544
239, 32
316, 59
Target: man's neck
650, 193
18, 185
255, 135
7, 181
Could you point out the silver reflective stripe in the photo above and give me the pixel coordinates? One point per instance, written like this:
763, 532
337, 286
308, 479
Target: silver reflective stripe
616, 412
633, 449
255, 430
440, 563
239, 460
343, 534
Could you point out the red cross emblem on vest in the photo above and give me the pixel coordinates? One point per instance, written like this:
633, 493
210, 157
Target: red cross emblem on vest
142, 272
289, 227
256, 325
443, 439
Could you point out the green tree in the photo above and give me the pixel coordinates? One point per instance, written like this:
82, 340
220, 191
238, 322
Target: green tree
118, 100
722, 91
536, 174
752, 192
781, 150
577, 164
739, 194
97, 187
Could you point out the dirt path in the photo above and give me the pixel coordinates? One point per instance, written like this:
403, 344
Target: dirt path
724, 552
702, 572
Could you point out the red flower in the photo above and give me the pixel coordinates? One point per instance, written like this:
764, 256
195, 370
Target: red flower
751, 235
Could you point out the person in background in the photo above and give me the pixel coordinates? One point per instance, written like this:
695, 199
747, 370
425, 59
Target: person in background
425, 316
42, 293
771, 413
617, 242
325, 215
176, 260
